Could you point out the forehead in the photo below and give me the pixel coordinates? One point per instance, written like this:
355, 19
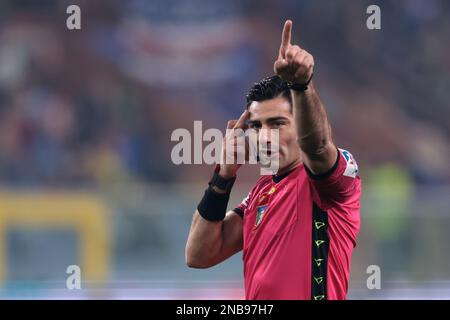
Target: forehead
276, 107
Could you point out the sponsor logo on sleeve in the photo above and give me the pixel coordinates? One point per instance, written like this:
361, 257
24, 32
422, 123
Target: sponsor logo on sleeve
351, 168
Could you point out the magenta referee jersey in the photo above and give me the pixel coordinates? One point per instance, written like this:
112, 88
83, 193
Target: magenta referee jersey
299, 232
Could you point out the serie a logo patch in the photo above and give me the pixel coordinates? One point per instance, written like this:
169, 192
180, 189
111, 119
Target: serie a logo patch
351, 168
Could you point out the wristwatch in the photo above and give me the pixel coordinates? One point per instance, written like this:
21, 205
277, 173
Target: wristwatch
220, 182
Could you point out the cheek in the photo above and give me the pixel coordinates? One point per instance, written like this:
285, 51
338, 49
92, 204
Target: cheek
288, 141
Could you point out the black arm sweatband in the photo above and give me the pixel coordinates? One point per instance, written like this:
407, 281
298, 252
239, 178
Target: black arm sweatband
213, 205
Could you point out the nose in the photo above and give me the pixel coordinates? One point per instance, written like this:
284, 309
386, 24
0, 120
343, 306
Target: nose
265, 137
269, 139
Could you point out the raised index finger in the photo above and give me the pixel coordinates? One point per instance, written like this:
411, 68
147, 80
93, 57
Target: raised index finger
285, 38
241, 123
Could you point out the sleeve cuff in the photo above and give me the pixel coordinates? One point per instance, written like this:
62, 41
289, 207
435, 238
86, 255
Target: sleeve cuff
239, 212
326, 174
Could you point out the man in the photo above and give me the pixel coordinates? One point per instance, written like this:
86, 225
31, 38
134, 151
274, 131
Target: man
298, 227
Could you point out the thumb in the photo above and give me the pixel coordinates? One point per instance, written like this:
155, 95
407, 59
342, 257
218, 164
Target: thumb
280, 65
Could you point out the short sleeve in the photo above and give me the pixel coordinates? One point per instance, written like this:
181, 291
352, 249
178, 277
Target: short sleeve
339, 183
240, 209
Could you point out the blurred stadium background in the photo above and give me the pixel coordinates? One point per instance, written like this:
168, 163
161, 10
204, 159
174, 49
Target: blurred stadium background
86, 118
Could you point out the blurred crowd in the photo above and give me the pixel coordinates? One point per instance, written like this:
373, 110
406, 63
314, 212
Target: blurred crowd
98, 105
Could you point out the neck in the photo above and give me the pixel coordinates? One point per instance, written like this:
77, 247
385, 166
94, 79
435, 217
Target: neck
294, 164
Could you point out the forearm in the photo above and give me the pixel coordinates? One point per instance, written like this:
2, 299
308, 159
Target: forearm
204, 241
213, 235
296, 66
313, 129
210, 243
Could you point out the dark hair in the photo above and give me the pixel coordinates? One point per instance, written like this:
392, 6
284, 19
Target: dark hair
269, 88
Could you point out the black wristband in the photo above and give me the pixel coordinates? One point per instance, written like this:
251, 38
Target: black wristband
213, 206
220, 182
300, 87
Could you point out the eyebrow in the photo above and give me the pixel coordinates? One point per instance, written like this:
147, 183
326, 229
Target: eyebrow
272, 119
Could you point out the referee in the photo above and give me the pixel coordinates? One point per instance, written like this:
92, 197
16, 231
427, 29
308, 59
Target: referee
297, 228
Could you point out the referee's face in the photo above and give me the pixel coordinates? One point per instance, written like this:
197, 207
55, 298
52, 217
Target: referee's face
276, 114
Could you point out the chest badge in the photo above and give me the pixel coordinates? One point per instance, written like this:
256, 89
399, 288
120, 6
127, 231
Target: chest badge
263, 202
260, 214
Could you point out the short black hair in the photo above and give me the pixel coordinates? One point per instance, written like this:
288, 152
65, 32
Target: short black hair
269, 88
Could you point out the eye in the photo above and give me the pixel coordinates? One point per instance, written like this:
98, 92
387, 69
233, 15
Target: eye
254, 125
277, 124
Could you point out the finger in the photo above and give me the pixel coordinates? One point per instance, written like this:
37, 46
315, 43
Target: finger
291, 53
298, 59
304, 71
303, 75
247, 150
285, 38
231, 124
287, 76
300, 74
241, 123
280, 66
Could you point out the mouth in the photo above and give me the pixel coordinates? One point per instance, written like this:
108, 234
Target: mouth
268, 152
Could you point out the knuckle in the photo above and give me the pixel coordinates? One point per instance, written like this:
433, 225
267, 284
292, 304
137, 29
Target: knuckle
289, 53
294, 51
